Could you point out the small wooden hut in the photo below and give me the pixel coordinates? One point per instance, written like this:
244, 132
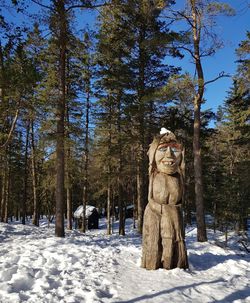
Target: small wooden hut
91, 214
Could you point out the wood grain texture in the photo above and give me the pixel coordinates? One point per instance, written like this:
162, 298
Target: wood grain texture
163, 233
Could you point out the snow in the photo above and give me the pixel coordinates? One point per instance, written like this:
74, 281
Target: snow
164, 131
36, 267
79, 211
129, 207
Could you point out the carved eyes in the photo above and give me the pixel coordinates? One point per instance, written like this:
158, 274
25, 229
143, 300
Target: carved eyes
176, 148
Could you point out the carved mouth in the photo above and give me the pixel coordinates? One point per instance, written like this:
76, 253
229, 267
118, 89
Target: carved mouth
168, 163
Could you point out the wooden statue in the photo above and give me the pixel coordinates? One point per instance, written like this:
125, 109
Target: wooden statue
163, 234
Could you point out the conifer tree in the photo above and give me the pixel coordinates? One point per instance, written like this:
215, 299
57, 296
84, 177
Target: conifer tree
60, 12
20, 79
87, 73
132, 73
150, 41
35, 46
230, 150
202, 43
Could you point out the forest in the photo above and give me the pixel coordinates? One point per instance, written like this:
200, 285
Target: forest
80, 104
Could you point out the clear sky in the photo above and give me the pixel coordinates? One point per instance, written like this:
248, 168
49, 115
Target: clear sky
232, 31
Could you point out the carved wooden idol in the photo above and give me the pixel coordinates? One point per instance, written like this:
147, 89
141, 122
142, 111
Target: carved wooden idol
163, 234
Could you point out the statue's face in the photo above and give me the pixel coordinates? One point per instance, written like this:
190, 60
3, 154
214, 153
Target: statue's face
168, 157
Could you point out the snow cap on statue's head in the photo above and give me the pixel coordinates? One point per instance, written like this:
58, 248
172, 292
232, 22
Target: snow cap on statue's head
164, 131
166, 136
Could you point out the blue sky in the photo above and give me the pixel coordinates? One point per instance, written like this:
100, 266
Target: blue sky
232, 31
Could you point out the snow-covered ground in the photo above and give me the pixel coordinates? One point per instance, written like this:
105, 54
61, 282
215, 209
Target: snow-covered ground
37, 267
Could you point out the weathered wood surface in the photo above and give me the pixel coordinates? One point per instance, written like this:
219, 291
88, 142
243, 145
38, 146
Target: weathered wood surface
163, 235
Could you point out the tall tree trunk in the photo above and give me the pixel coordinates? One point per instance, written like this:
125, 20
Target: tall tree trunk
4, 202
60, 115
86, 161
200, 215
135, 207
109, 223
68, 180
25, 185
140, 196
3, 151
134, 184
141, 201
6, 215
2, 76
121, 207
1, 197
140, 177
187, 210
109, 188
69, 204
113, 212
35, 220
199, 200
3, 182
120, 170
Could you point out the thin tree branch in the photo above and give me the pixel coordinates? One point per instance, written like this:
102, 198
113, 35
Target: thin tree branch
186, 49
186, 17
207, 53
13, 125
221, 75
87, 6
181, 16
42, 5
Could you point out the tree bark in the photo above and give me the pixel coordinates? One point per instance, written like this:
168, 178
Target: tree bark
109, 223
200, 215
25, 185
68, 179
69, 205
109, 187
120, 170
141, 198
60, 116
35, 220
2, 75
199, 200
6, 215
86, 161
4, 196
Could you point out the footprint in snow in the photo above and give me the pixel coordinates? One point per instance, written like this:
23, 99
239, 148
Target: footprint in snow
21, 281
7, 274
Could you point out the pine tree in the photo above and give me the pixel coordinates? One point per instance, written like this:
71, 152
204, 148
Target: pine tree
231, 149
87, 73
60, 14
20, 80
202, 43
132, 73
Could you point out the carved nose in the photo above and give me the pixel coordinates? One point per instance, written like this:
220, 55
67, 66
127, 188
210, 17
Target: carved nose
169, 153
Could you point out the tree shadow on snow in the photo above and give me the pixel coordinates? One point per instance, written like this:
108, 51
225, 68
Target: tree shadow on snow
208, 260
168, 291
104, 240
238, 295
